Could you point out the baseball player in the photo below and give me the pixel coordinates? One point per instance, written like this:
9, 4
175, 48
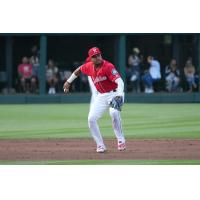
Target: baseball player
110, 96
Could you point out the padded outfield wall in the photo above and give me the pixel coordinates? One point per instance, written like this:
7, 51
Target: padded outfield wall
85, 98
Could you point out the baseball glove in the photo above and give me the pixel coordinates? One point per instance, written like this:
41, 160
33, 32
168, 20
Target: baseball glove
117, 103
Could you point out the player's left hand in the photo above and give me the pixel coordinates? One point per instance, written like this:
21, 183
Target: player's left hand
117, 103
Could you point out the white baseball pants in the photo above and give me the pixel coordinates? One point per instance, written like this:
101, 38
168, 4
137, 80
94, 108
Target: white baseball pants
97, 109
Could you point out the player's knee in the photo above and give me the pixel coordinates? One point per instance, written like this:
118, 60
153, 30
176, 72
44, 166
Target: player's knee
91, 119
113, 113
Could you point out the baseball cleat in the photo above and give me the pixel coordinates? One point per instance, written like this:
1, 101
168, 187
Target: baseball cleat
101, 149
121, 146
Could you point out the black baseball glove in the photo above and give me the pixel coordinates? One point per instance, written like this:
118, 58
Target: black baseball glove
117, 103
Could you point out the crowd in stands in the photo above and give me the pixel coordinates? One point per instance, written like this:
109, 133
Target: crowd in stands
142, 75
28, 75
148, 76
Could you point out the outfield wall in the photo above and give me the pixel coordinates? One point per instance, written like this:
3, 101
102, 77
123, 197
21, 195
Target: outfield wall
85, 98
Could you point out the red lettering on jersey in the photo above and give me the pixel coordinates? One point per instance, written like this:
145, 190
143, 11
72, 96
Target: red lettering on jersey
103, 77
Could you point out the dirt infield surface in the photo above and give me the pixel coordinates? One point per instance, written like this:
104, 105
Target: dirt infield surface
84, 149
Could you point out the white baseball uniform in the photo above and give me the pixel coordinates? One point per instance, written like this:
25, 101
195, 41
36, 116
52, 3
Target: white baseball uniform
109, 84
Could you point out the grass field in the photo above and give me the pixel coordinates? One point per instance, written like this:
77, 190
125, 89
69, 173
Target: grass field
152, 121
140, 121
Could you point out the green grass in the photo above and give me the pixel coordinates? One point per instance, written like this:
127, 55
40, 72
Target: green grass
141, 121
103, 162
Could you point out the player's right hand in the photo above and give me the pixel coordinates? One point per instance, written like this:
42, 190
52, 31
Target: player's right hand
66, 87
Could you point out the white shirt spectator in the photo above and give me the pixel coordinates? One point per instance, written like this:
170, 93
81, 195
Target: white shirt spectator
51, 72
155, 69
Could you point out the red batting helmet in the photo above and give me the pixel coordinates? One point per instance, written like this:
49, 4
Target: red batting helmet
94, 51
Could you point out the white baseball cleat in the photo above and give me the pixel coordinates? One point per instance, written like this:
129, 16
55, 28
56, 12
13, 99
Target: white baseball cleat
101, 149
121, 146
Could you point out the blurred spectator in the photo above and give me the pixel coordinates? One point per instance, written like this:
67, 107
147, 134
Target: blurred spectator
52, 76
84, 83
25, 74
133, 71
152, 75
76, 85
189, 71
63, 76
172, 76
128, 77
34, 60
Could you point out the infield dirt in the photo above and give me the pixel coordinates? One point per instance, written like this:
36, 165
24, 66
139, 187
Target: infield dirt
84, 149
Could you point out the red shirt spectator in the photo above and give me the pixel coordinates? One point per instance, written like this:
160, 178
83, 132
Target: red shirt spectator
25, 69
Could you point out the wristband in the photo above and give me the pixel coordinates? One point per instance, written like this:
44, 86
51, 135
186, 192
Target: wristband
71, 78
